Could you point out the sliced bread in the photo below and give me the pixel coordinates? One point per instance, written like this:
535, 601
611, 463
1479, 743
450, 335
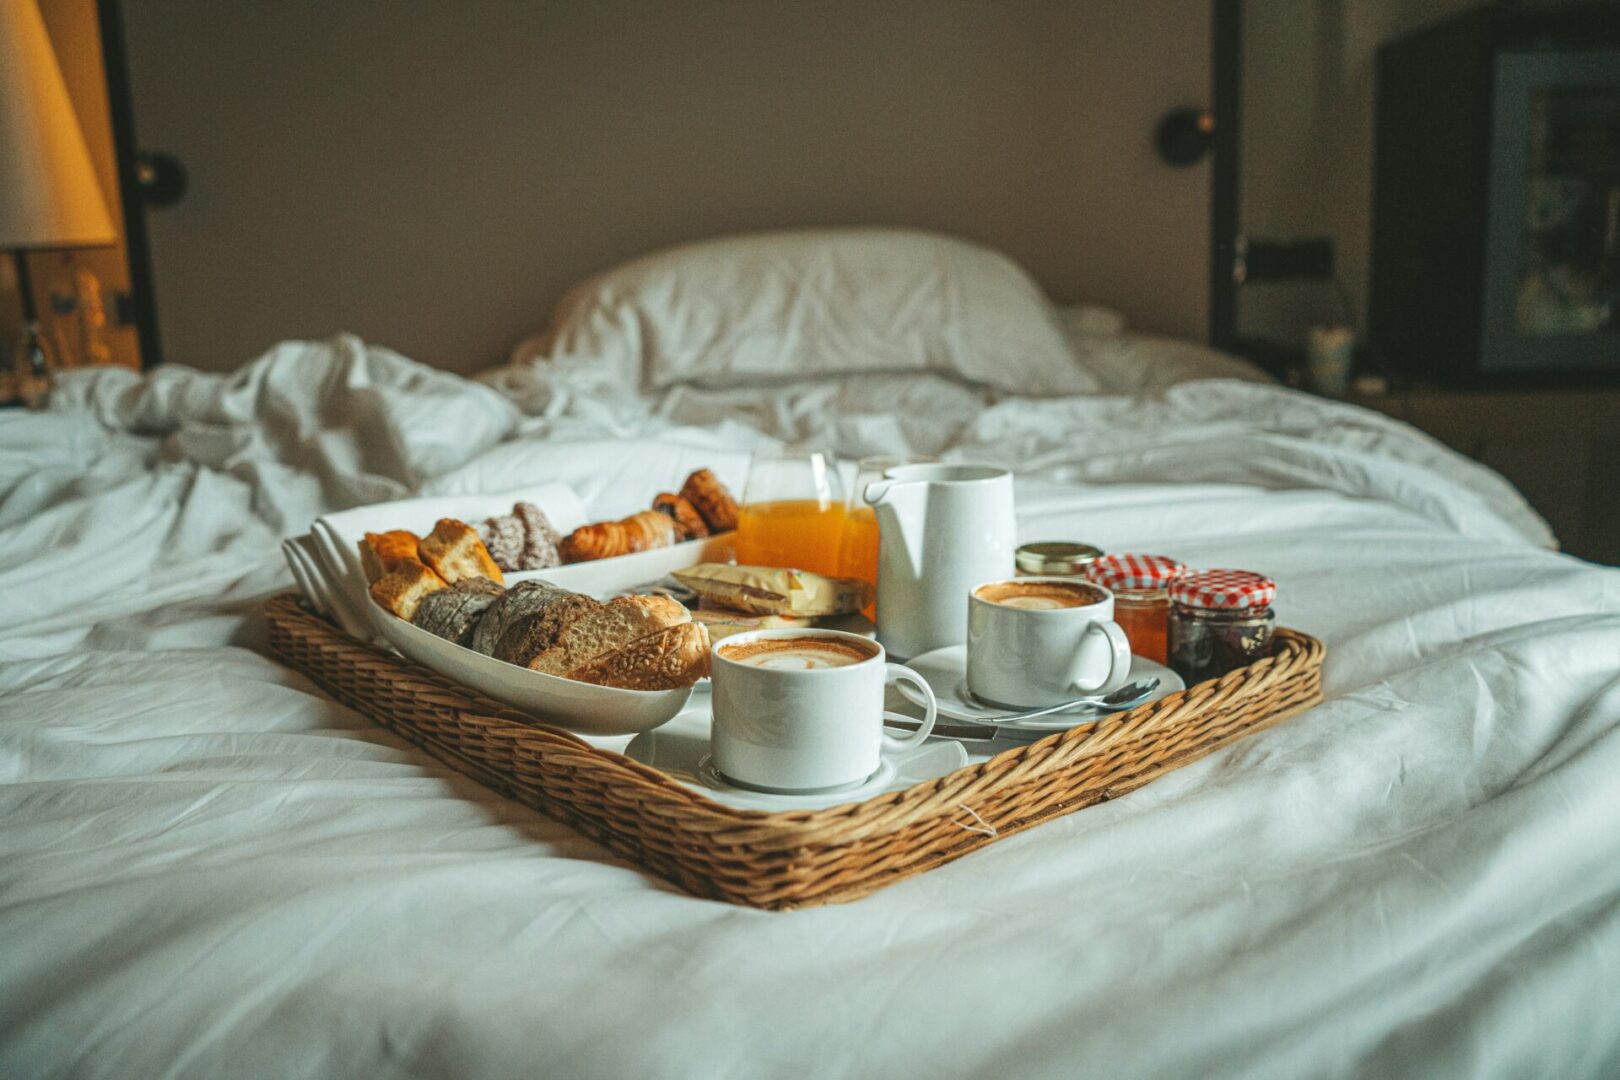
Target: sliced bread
614, 625
674, 657
383, 553
401, 590
454, 551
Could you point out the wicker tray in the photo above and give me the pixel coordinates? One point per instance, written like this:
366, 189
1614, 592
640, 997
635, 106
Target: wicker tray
798, 858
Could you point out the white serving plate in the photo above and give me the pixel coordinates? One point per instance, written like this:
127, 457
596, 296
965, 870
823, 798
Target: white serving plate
605, 577
945, 672
681, 750
583, 707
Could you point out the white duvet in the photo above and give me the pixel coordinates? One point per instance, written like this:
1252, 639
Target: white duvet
209, 869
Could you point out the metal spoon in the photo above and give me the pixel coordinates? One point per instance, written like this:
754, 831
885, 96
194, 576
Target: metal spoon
1126, 696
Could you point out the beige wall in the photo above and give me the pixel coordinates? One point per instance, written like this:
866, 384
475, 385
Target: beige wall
432, 176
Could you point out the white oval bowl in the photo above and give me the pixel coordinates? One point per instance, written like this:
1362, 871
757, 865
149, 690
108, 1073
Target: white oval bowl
578, 706
604, 577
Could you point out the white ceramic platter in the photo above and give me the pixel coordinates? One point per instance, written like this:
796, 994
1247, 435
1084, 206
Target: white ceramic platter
583, 707
606, 577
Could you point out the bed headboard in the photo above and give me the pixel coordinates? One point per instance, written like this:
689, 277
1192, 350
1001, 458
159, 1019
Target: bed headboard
432, 176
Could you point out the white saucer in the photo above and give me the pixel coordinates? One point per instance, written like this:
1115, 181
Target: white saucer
945, 671
681, 749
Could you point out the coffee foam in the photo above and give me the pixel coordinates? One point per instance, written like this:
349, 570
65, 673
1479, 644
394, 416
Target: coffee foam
796, 653
1040, 595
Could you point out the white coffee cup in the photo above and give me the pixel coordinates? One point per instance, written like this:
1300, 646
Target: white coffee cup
1025, 656
784, 728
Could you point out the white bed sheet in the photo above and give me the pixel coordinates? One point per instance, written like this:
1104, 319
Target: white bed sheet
208, 868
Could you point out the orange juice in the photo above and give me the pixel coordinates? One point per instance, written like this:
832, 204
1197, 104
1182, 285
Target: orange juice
859, 558
801, 533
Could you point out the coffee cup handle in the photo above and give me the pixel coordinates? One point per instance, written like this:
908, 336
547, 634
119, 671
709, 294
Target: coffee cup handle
1101, 639
915, 739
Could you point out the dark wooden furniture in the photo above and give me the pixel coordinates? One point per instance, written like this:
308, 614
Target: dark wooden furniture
1462, 158
1561, 448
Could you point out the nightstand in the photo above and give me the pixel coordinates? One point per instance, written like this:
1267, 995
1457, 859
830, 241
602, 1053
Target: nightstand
1561, 448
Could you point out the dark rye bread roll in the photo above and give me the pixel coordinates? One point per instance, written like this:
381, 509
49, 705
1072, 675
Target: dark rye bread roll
517, 603
453, 613
534, 633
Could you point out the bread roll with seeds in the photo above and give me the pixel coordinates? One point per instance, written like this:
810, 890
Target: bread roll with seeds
613, 625
667, 660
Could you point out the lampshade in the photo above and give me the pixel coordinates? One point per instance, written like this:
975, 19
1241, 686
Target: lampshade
49, 197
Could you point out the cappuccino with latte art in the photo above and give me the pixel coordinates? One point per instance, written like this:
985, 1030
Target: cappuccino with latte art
798, 653
1041, 595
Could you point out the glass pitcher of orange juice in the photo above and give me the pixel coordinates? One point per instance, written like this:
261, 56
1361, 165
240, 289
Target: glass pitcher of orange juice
792, 512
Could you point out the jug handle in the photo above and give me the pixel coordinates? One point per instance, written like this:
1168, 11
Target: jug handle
878, 490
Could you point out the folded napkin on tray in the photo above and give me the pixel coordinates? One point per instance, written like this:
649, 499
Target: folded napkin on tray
325, 562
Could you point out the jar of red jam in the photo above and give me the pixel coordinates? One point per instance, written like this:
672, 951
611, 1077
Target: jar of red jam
1141, 588
1220, 620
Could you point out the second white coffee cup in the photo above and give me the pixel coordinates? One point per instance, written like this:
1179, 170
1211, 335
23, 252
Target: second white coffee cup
802, 710
1065, 646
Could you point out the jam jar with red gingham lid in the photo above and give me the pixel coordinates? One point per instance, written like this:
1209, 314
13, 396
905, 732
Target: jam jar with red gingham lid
1141, 588
1220, 620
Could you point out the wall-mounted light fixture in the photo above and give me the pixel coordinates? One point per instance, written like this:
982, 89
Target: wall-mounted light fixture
1184, 136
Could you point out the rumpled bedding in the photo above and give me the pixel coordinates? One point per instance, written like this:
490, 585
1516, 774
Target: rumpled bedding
209, 868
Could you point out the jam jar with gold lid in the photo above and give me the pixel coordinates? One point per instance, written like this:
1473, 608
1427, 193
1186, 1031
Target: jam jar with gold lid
1055, 558
1141, 588
1220, 620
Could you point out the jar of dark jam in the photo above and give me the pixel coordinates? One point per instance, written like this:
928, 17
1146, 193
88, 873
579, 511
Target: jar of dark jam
1220, 620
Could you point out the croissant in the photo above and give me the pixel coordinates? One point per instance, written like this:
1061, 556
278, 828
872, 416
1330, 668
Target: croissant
705, 491
606, 539
681, 511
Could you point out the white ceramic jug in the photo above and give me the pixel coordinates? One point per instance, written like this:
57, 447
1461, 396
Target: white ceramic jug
943, 529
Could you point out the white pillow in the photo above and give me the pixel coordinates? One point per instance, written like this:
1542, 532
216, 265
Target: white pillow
776, 306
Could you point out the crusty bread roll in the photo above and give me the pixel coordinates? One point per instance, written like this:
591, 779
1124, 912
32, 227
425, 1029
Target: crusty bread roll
401, 590
615, 624
674, 657
381, 553
454, 551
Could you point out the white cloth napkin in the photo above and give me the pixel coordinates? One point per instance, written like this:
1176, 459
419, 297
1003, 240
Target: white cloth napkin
325, 562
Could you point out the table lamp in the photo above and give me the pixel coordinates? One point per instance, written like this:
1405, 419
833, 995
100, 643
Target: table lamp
49, 196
